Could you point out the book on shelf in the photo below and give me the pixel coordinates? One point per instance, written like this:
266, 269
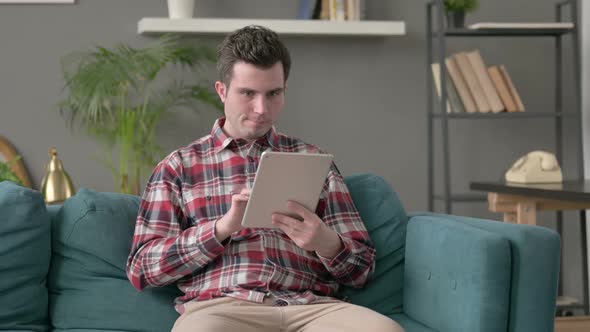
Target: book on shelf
502, 89
481, 88
466, 69
307, 9
513, 92
454, 104
337, 11
325, 10
481, 72
355, 10
520, 25
341, 10
460, 85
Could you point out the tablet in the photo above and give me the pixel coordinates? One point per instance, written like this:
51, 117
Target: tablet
284, 176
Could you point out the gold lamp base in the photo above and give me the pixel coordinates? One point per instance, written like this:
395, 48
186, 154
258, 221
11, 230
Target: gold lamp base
56, 186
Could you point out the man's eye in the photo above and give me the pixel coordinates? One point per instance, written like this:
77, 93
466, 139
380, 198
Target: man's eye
248, 93
275, 93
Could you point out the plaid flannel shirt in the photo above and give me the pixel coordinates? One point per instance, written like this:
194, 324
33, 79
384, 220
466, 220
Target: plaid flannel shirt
174, 240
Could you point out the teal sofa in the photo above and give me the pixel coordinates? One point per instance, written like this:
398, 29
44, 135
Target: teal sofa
62, 268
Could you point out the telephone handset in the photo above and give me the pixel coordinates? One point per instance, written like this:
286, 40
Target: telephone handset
535, 167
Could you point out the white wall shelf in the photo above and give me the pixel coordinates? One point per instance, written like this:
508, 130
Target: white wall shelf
154, 25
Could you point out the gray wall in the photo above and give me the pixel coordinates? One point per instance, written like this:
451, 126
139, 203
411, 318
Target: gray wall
362, 99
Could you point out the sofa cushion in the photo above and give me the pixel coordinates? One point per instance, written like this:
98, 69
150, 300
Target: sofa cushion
386, 221
24, 258
408, 323
89, 289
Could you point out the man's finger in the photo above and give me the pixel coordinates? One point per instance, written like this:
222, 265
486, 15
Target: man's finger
300, 210
240, 198
288, 221
286, 218
277, 222
288, 229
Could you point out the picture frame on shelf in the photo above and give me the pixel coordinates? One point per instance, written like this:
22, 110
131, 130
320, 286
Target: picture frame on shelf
9, 153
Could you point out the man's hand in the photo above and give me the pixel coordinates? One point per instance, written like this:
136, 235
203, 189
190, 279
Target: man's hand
309, 234
232, 220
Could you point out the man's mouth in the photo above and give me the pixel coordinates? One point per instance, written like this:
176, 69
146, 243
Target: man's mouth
258, 122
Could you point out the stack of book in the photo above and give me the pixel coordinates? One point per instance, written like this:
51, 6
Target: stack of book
332, 10
474, 87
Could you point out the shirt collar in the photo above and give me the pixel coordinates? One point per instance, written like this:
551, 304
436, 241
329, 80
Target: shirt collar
221, 140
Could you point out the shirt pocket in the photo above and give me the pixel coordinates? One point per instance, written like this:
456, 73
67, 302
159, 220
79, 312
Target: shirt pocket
209, 202
204, 203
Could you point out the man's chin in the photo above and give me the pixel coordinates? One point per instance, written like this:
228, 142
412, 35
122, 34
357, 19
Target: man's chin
255, 134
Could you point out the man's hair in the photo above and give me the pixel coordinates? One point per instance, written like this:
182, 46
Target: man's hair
255, 45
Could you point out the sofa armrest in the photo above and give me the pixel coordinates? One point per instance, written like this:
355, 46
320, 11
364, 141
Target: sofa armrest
456, 278
450, 243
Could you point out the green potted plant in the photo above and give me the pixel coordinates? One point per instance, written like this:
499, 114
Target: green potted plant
117, 96
6, 173
455, 11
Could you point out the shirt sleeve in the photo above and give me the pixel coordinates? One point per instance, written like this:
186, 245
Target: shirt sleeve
355, 263
164, 251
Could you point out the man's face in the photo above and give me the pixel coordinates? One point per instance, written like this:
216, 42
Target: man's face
253, 101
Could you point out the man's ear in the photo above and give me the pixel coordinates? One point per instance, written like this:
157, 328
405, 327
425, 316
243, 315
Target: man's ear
221, 90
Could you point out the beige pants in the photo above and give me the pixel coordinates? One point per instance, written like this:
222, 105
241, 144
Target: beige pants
228, 315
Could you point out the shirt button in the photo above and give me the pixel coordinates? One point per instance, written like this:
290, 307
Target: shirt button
208, 198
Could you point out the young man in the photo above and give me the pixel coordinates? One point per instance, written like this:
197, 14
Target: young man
189, 229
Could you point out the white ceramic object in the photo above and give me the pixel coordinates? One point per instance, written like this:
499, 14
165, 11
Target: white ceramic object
181, 8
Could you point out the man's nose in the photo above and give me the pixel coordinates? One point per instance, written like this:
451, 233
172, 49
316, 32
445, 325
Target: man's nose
261, 105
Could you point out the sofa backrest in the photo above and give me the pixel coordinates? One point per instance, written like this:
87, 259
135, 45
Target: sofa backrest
386, 221
88, 286
25, 249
